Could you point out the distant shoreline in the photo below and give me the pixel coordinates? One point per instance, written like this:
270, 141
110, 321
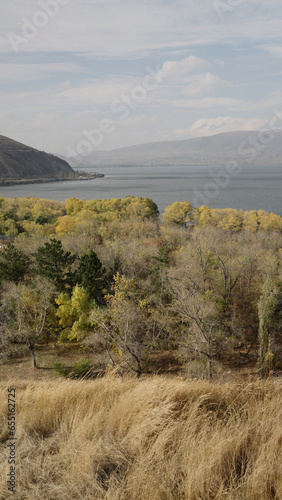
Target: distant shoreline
20, 182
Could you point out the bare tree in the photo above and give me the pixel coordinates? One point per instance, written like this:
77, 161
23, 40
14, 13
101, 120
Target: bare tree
24, 310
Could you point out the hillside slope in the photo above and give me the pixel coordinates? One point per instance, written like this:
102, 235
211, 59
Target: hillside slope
18, 161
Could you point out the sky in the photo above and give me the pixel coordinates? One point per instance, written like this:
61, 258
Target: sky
116, 73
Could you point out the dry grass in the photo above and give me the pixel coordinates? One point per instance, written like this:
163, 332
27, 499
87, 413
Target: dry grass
156, 439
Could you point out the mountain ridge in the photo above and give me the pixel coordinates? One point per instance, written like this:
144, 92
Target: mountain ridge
245, 147
19, 161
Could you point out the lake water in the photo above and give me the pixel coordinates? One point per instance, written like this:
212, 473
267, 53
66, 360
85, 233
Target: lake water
252, 189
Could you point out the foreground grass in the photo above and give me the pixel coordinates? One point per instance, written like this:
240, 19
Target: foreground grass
156, 439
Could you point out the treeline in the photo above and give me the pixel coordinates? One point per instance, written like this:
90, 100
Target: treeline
47, 217
110, 275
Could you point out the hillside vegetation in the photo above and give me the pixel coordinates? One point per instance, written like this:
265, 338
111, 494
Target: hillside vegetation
18, 161
156, 439
104, 287
110, 278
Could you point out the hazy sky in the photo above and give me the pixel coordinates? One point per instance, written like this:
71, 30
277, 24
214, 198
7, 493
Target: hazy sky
72, 69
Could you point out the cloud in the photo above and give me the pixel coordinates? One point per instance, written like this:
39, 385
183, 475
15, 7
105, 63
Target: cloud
92, 52
104, 91
177, 69
98, 92
211, 126
18, 73
128, 28
210, 102
207, 84
275, 50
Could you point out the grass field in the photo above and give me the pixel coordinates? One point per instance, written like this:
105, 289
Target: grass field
153, 439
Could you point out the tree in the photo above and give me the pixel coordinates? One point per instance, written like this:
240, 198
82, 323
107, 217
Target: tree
73, 206
91, 275
48, 209
14, 264
143, 208
66, 224
56, 264
201, 330
180, 213
73, 313
127, 327
162, 260
267, 307
24, 308
117, 208
195, 283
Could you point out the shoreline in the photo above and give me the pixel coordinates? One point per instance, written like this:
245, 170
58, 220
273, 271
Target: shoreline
20, 182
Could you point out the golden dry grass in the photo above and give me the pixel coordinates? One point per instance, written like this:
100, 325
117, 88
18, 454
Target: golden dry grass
153, 439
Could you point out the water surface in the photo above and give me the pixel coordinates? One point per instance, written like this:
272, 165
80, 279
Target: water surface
252, 189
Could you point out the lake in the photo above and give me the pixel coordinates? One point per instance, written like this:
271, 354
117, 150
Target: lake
253, 188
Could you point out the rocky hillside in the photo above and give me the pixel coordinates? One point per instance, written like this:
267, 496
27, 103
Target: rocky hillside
18, 161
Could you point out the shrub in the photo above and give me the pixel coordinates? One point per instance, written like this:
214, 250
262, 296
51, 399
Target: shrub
61, 369
81, 367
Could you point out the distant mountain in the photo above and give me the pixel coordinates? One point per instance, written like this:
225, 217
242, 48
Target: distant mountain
18, 161
252, 147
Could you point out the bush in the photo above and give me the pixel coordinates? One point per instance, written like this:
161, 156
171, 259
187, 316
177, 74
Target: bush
82, 367
79, 369
61, 369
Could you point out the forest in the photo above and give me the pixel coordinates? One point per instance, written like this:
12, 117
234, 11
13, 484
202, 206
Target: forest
122, 285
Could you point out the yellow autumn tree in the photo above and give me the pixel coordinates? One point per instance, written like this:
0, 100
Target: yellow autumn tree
180, 213
73, 206
73, 313
66, 224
